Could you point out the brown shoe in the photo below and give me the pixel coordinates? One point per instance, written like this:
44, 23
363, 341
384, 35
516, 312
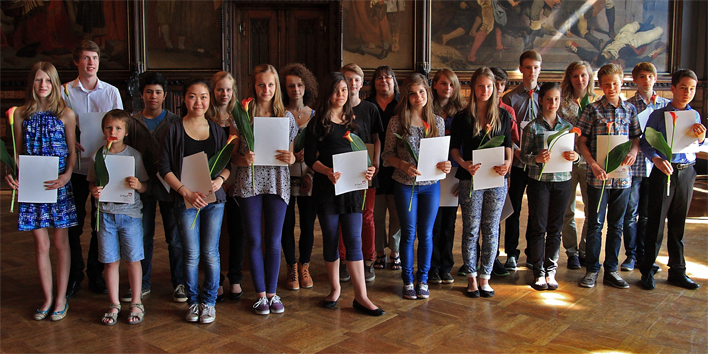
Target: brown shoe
305, 278
293, 283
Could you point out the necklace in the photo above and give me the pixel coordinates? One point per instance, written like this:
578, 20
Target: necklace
194, 136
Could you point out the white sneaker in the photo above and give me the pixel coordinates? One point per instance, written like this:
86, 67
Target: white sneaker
208, 314
193, 313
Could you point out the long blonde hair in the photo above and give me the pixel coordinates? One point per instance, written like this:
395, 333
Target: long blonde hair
221, 75
276, 101
455, 103
567, 85
55, 103
403, 110
493, 115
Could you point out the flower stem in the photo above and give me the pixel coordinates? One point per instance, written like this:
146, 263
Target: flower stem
195, 219
410, 203
14, 152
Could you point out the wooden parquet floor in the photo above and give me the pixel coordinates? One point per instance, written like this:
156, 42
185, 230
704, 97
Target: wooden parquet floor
517, 319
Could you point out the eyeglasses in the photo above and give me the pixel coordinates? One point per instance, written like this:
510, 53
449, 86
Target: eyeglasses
385, 77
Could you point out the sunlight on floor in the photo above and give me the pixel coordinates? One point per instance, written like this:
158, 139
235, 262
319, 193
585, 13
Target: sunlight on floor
553, 298
693, 269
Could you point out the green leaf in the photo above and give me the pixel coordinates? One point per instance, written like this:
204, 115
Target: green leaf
408, 147
243, 124
218, 162
359, 145
657, 141
584, 102
7, 158
300, 141
617, 155
100, 168
493, 142
556, 136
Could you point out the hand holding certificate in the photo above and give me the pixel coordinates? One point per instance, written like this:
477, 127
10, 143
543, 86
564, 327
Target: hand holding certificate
486, 176
432, 152
34, 172
270, 135
352, 167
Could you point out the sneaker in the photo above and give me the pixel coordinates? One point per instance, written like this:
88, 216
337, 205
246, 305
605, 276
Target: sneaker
434, 278
574, 262
628, 264
128, 297
589, 280
409, 292
422, 291
369, 272
180, 294
462, 271
498, 269
293, 283
261, 306
304, 274
276, 306
343, 272
614, 279
447, 278
193, 313
208, 314
510, 263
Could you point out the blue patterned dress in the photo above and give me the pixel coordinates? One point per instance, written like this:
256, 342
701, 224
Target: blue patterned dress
44, 136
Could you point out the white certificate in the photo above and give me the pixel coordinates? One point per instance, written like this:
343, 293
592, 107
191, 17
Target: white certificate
431, 152
118, 190
685, 140
196, 178
270, 134
34, 171
370, 151
620, 172
353, 167
644, 117
486, 177
558, 163
508, 209
91, 137
447, 188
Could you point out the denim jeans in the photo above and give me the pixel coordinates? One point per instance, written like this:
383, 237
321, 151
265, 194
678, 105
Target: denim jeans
307, 229
174, 244
120, 237
202, 241
637, 207
351, 235
614, 202
368, 230
424, 209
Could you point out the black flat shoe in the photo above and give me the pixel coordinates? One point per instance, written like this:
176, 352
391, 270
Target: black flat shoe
683, 281
235, 296
72, 289
472, 294
647, 281
330, 304
486, 293
361, 308
98, 286
220, 298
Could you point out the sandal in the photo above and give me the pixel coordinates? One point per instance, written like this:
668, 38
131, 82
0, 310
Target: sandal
380, 262
396, 263
111, 316
139, 315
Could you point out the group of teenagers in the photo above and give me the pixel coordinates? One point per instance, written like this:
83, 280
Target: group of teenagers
259, 201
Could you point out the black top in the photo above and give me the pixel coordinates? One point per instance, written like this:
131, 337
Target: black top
322, 188
461, 137
385, 174
368, 123
192, 146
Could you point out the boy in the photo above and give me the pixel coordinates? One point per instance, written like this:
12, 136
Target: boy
368, 122
524, 100
679, 168
120, 235
86, 94
644, 75
145, 136
596, 120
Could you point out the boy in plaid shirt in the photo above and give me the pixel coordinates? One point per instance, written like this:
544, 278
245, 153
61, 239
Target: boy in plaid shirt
606, 116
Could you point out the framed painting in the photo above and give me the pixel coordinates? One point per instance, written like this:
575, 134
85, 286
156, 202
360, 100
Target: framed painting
184, 34
379, 32
470, 34
35, 31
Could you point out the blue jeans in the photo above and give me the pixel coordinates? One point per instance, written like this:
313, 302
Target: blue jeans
424, 209
637, 207
614, 202
202, 241
120, 237
174, 244
351, 235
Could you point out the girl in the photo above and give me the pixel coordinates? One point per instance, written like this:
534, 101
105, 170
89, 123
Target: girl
447, 101
192, 134
414, 120
325, 138
299, 93
44, 126
549, 194
484, 206
223, 100
266, 204
578, 81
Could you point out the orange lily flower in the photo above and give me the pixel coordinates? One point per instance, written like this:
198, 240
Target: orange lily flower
232, 137
11, 115
576, 130
348, 137
245, 102
427, 129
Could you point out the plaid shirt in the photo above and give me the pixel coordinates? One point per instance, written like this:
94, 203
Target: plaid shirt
642, 165
533, 142
525, 108
593, 122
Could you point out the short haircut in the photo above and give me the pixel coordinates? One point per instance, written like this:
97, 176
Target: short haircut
547, 87
86, 45
643, 67
117, 114
152, 78
353, 68
680, 74
609, 69
530, 54
499, 74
